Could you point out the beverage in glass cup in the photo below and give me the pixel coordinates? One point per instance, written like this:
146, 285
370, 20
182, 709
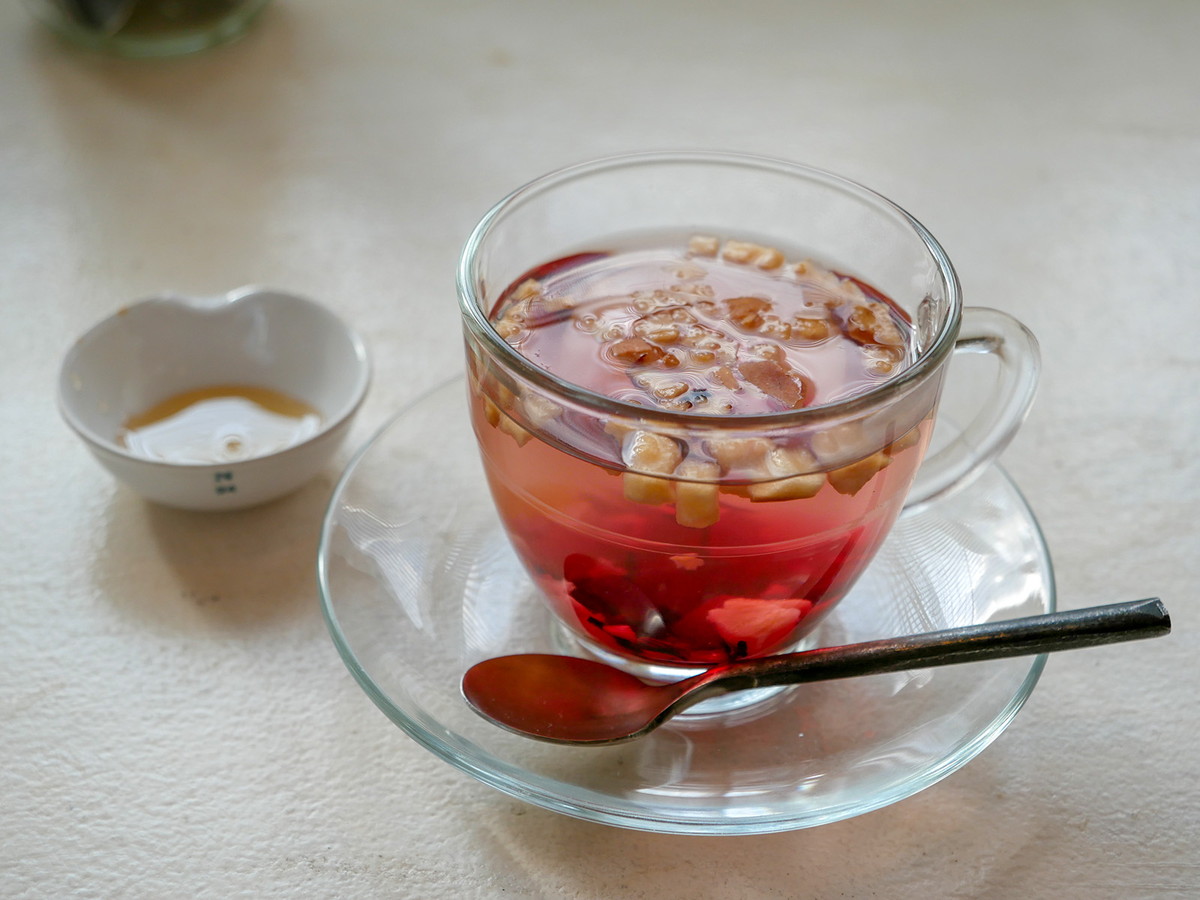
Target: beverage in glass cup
703, 386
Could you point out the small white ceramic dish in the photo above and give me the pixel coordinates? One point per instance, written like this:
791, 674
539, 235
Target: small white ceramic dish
155, 349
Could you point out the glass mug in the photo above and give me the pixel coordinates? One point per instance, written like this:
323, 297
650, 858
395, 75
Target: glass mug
667, 540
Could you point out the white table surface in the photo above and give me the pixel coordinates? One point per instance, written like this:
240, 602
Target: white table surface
174, 720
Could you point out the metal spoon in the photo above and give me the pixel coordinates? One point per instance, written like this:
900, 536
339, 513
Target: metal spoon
568, 700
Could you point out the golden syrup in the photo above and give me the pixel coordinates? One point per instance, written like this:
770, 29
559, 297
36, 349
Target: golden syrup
219, 424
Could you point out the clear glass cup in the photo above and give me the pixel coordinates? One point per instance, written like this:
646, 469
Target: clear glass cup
148, 28
665, 569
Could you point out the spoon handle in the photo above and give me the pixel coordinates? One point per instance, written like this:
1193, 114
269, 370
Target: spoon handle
1089, 627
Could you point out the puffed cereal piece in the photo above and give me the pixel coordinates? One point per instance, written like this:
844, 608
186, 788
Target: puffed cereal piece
724, 376
636, 351
841, 442
527, 289
906, 440
851, 479
495, 415
515, 431
744, 454
539, 411
747, 312
844, 442
491, 412
807, 329
697, 498
619, 429
794, 478
747, 253
807, 270
871, 323
508, 329
647, 454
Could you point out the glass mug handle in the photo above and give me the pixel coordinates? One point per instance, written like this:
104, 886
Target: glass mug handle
962, 459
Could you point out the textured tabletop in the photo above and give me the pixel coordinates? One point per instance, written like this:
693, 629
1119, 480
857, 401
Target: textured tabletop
174, 719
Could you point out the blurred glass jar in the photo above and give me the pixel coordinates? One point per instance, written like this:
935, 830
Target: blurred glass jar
148, 28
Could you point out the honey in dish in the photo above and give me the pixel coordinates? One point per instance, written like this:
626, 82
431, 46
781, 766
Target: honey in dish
222, 423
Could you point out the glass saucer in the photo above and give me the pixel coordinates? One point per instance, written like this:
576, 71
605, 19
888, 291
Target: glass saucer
418, 583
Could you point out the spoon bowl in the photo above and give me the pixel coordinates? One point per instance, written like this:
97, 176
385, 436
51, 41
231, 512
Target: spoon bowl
569, 700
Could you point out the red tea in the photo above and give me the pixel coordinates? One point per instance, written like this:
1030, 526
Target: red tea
667, 546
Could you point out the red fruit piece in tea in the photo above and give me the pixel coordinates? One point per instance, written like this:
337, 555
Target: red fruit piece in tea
610, 598
750, 626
